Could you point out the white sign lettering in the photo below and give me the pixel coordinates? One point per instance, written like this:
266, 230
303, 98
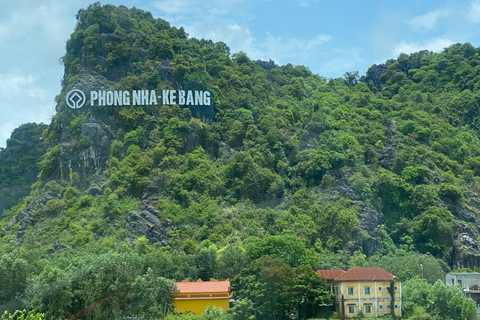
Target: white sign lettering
101, 98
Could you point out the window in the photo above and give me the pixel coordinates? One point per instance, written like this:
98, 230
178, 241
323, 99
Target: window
351, 308
367, 308
396, 306
366, 290
388, 306
350, 291
379, 288
380, 306
335, 290
459, 282
396, 288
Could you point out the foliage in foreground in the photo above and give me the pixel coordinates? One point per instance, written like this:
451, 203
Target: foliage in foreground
22, 315
284, 170
272, 289
435, 301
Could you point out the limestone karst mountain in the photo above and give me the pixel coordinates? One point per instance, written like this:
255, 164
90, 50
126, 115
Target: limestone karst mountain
353, 169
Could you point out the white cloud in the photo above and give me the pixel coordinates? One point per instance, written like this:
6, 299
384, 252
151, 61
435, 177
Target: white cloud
32, 39
433, 44
238, 38
339, 61
176, 6
19, 85
177, 9
474, 11
227, 21
5, 131
284, 50
428, 20
23, 99
281, 50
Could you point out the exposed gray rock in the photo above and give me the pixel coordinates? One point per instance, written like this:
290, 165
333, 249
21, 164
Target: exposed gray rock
57, 247
190, 142
90, 80
25, 217
465, 253
94, 190
148, 194
388, 153
369, 220
465, 215
228, 152
373, 75
473, 200
342, 184
165, 70
25, 220
87, 162
146, 220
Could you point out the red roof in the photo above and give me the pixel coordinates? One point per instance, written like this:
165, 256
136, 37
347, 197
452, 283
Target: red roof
330, 274
364, 273
203, 287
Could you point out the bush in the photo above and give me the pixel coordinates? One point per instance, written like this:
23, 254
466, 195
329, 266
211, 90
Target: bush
450, 192
22, 315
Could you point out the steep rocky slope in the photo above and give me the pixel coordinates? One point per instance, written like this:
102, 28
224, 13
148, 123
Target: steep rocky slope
384, 164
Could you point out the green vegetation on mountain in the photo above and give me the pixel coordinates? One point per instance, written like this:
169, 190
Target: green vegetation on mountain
286, 173
18, 163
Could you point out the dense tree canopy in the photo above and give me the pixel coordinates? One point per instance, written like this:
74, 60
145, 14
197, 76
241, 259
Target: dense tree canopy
285, 173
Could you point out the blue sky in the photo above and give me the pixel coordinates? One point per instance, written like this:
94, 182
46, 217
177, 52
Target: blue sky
329, 37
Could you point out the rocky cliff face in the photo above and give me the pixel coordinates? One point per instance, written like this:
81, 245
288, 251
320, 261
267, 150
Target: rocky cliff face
90, 160
274, 129
27, 216
465, 252
148, 221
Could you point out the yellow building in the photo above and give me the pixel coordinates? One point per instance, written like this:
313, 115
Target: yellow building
365, 290
196, 296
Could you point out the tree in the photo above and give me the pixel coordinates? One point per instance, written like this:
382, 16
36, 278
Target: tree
206, 258
13, 276
231, 260
50, 292
439, 300
433, 230
409, 265
271, 289
291, 249
391, 291
312, 290
351, 78
152, 295
269, 284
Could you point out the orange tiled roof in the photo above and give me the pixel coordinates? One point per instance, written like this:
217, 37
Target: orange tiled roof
330, 274
203, 287
364, 273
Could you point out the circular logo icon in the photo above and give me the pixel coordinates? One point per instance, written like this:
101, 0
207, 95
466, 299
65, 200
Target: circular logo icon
75, 99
